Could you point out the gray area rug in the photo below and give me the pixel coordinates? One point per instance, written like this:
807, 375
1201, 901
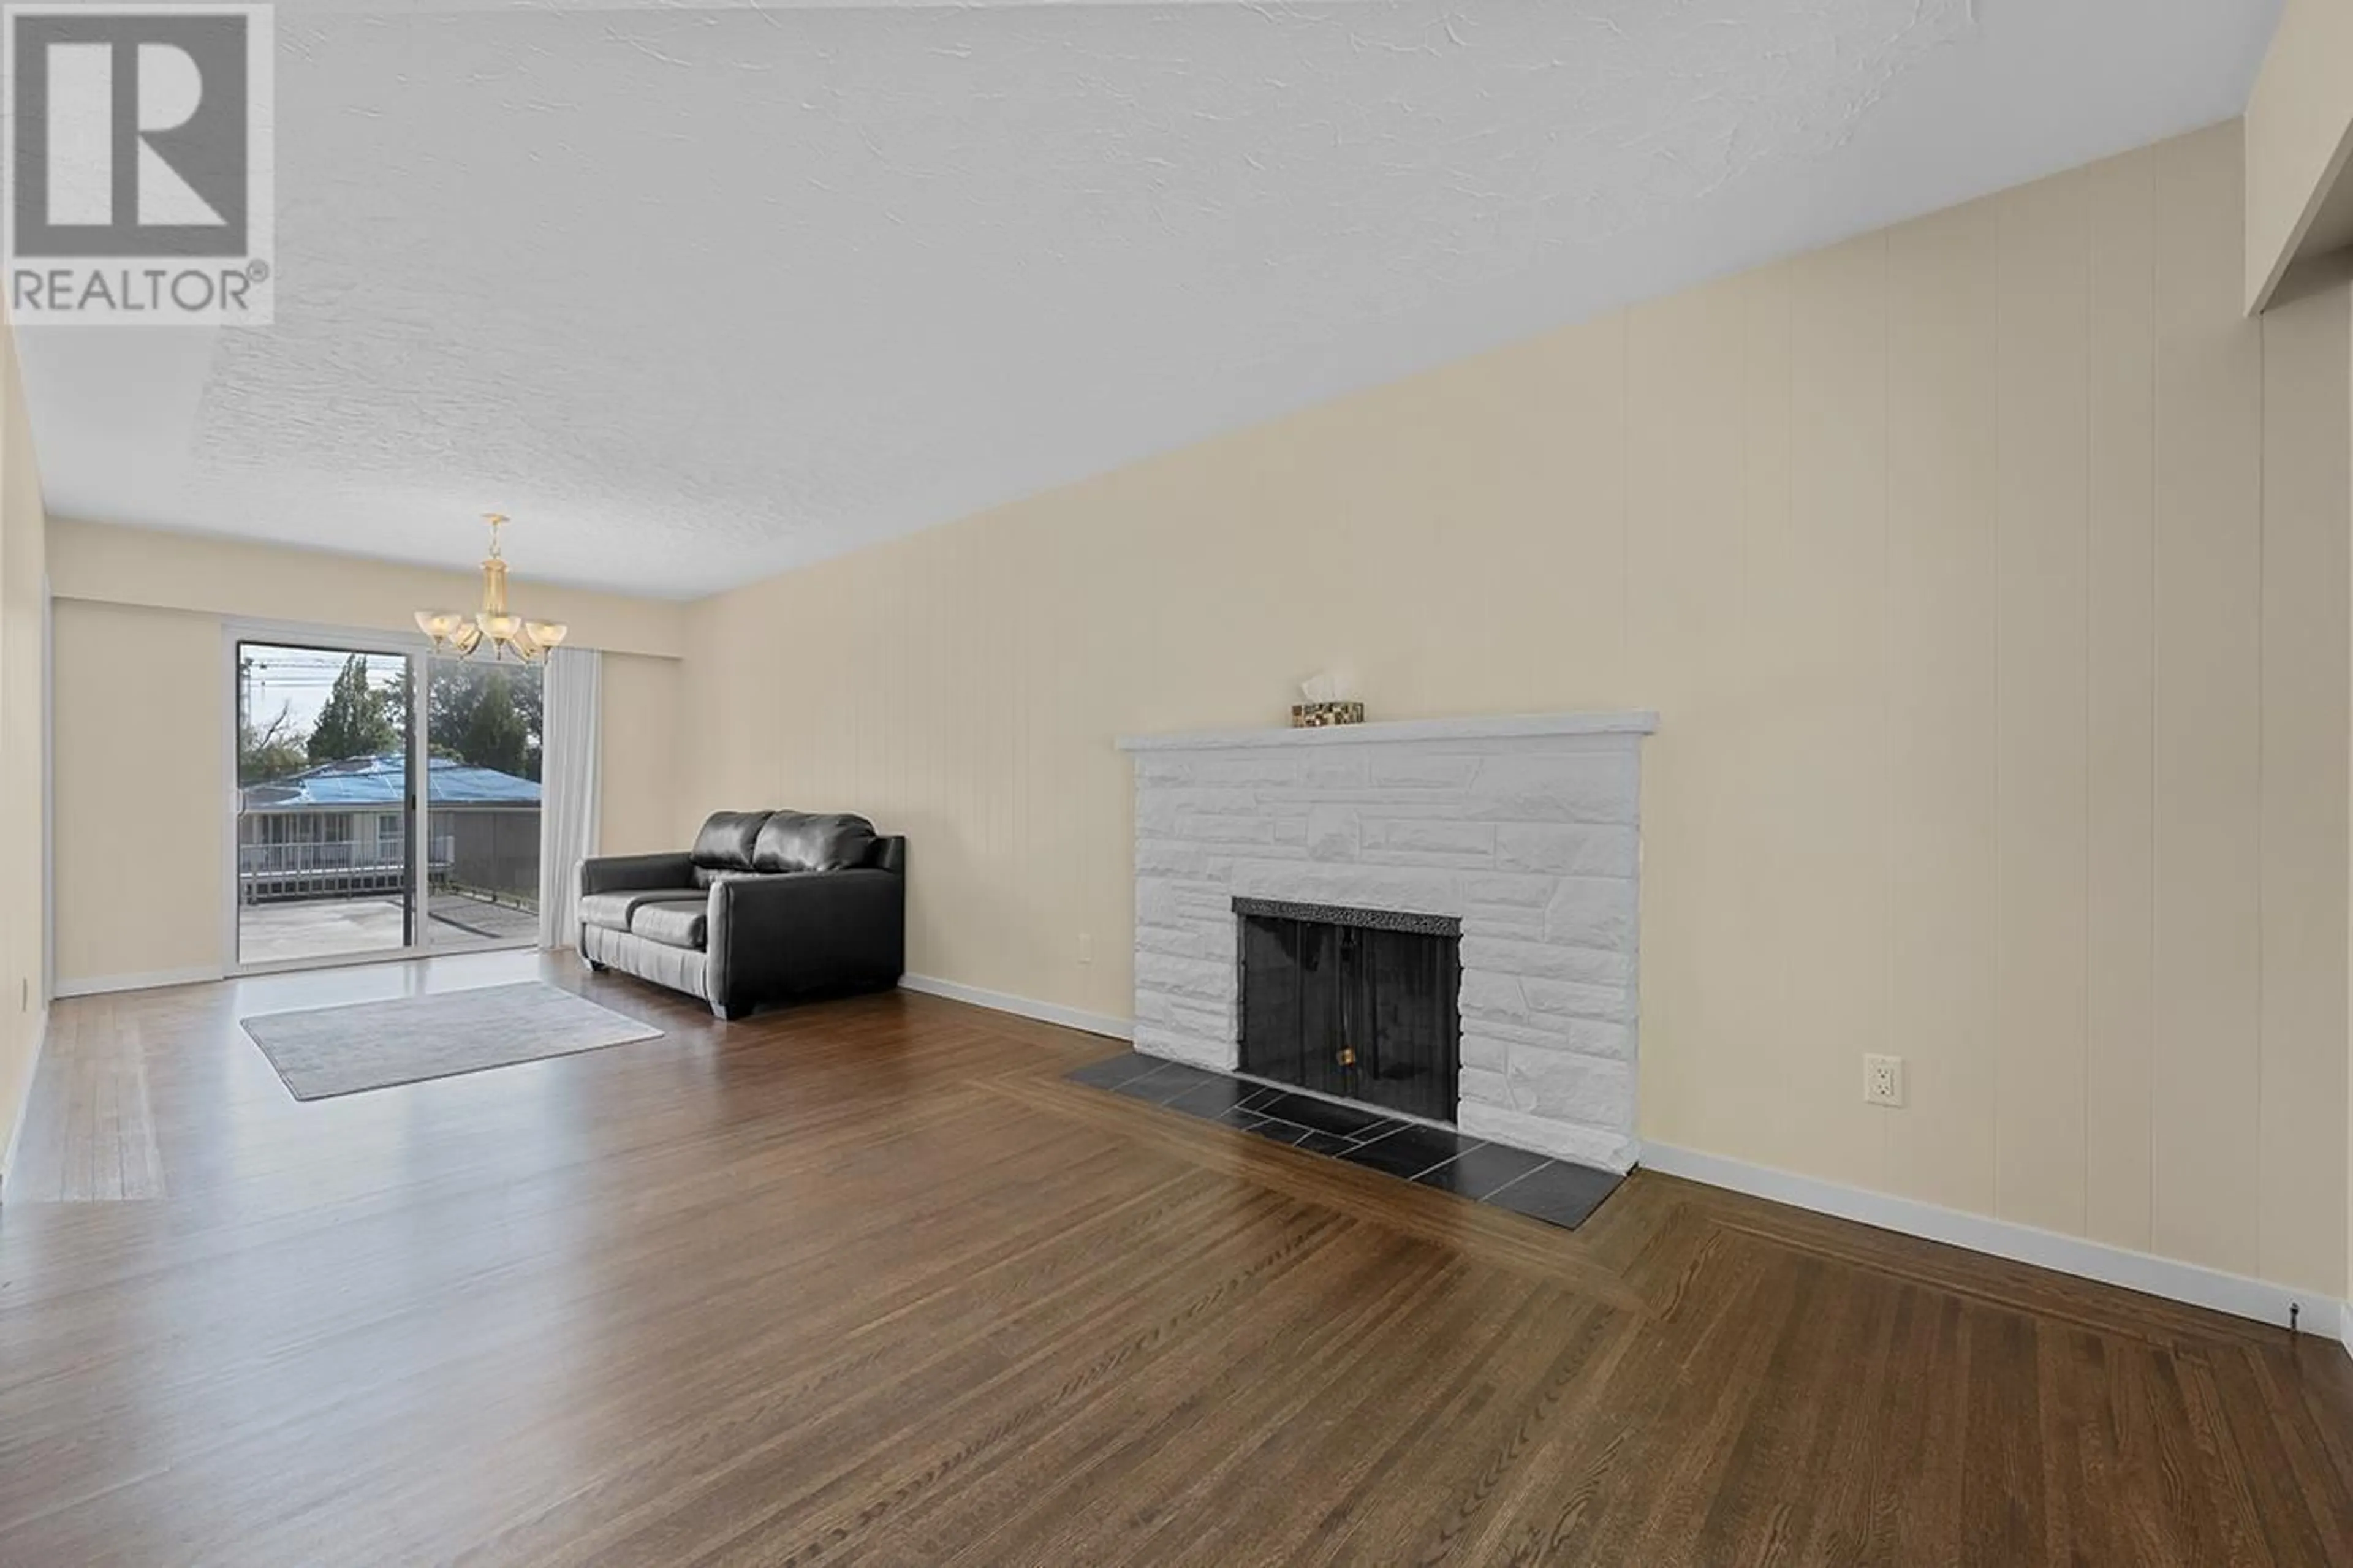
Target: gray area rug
328, 1051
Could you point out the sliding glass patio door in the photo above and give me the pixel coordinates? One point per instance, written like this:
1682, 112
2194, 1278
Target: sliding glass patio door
483, 728
386, 802
325, 867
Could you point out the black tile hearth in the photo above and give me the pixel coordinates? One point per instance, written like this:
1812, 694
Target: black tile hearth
1557, 1192
1168, 1082
1478, 1173
1112, 1071
1410, 1149
1340, 1121
1217, 1097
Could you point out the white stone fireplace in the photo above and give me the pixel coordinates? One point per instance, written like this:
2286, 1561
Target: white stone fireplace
1526, 829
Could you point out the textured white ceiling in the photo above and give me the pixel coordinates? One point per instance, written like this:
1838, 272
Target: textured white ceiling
699, 292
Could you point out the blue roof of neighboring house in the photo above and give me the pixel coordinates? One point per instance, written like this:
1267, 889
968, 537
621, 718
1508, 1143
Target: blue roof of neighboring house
383, 780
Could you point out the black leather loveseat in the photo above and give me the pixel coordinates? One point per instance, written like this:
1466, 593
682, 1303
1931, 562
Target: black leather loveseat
767, 904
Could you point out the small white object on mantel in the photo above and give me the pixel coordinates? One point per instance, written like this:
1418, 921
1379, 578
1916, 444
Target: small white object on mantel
1526, 827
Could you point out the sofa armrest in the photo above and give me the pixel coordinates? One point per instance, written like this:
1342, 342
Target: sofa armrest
807, 930
623, 873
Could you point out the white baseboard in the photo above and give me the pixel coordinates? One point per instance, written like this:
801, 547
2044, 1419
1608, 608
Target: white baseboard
2176, 1281
102, 985
1003, 1002
24, 1106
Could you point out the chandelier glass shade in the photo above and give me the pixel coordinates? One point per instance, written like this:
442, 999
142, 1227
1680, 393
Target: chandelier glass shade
493, 626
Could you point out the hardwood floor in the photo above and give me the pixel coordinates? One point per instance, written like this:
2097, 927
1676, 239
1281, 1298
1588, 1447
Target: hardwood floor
94, 1141
868, 1283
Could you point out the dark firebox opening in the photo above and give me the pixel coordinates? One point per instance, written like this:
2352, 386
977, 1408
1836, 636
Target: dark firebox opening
1361, 1004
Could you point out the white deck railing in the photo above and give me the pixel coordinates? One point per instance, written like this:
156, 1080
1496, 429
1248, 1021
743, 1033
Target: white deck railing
317, 871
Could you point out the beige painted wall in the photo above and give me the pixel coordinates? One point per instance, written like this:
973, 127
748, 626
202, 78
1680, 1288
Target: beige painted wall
2307, 515
2299, 131
2348, 503
22, 765
143, 716
638, 807
2004, 724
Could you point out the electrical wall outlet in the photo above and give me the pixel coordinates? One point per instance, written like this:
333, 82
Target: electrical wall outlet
1882, 1080
1086, 948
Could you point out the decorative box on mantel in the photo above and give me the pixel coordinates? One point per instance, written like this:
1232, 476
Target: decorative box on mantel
1526, 830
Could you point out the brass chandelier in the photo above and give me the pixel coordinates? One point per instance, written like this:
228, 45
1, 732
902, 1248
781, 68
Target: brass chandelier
492, 626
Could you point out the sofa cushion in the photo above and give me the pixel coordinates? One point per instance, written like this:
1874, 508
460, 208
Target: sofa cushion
614, 910
725, 842
672, 925
802, 841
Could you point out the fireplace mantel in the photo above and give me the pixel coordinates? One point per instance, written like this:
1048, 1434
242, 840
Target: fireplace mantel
1506, 726
1524, 828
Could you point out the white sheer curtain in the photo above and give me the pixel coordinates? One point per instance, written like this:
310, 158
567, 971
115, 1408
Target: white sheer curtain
567, 792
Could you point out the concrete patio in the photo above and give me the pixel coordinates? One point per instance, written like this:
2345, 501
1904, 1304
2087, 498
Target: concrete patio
328, 927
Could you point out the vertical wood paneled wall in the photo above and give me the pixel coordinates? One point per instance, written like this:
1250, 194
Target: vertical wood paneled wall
1989, 575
